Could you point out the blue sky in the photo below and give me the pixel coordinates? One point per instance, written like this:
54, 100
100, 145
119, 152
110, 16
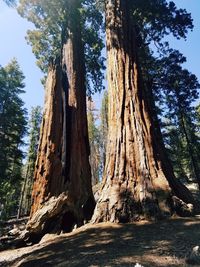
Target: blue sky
13, 44
190, 47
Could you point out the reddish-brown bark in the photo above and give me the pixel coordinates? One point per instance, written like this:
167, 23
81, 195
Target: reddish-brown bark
138, 175
63, 156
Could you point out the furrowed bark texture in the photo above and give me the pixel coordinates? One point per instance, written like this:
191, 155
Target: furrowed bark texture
63, 157
137, 172
48, 178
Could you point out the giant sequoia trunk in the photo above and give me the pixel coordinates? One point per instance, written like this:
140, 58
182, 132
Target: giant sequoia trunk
138, 178
63, 157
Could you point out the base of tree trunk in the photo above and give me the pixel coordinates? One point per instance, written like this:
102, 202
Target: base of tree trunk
122, 207
57, 215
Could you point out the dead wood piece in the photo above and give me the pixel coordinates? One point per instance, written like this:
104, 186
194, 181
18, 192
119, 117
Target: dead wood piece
50, 209
48, 219
181, 208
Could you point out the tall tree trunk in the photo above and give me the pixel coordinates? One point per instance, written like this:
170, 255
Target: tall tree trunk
63, 157
137, 172
48, 178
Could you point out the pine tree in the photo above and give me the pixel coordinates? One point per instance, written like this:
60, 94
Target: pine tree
12, 131
176, 90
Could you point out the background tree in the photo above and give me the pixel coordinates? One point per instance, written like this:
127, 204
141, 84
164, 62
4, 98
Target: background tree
176, 90
33, 135
12, 131
94, 139
98, 131
103, 129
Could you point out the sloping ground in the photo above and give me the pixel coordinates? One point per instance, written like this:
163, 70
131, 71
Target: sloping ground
6, 226
165, 243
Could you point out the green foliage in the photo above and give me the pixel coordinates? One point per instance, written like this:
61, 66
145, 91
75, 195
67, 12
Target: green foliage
52, 22
154, 20
12, 131
8, 199
93, 42
176, 89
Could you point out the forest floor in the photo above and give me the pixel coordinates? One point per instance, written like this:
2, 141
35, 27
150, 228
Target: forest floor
163, 243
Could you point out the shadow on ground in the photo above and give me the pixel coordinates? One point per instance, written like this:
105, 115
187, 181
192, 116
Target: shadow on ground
165, 243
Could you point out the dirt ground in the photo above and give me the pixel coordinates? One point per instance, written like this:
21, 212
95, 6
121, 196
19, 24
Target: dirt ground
164, 243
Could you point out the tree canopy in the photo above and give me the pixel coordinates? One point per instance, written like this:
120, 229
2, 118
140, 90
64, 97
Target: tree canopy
51, 20
12, 131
